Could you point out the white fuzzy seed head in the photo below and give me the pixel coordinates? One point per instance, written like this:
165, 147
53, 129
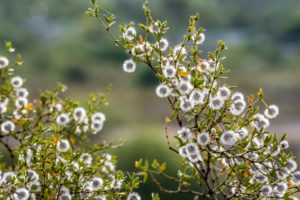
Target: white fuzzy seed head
130, 33
186, 105
212, 67
154, 28
97, 126
96, 183
271, 112
134, 196
224, 92
162, 44
292, 165
261, 178
21, 102
216, 103
203, 66
7, 127
63, 145
243, 132
237, 96
162, 91
280, 188
185, 87
237, 107
266, 190
129, 66
197, 97
169, 72
296, 178
194, 157
260, 122
203, 138
86, 158
164, 62
185, 134
99, 116
228, 138
21, 194
22, 92
62, 119
192, 149
284, 144
16, 82
79, 114
182, 151
198, 38
4, 62
178, 51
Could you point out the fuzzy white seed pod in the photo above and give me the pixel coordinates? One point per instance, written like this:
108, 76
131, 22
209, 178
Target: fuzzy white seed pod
7, 127
162, 44
296, 178
228, 138
86, 158
62, 119
198, 38
96, 183
186, 105
97, 126
154, 28
21, 102
216, 103
134, 196
243, 132
79, 114
203, 66
203, 138
184, 87
192, 149
99, 116
197, 97
185, 134
63, 145
224, 92
22, 92
4, 62
237, 96
16, 82
162, 90
129, 66
280, 188
284, 144
292, 165
21, 194
179, 50
169, 72
271, 112
130, 33
182, 151
266, 190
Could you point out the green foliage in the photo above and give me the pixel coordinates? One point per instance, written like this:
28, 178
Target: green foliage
225, 148
47, 139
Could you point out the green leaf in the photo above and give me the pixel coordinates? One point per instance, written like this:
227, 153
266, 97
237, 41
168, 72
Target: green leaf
162, 167
142, 26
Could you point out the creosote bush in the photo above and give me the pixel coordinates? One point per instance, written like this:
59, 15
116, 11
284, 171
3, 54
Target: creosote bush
226, 151
47, 141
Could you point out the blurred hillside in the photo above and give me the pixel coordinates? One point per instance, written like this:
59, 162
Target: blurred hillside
59, 43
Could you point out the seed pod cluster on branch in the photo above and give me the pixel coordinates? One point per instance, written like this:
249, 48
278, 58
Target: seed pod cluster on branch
47, 141
222, 137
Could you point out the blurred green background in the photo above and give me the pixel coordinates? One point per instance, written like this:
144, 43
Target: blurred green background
59, 43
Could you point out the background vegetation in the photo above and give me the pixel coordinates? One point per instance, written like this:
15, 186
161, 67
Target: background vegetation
59, 43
